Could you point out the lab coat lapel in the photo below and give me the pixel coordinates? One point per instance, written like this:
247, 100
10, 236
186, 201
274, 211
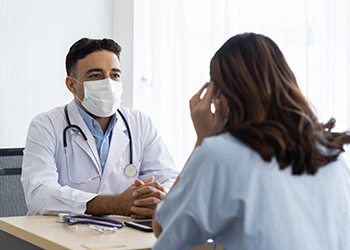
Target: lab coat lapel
75, 118
119, 143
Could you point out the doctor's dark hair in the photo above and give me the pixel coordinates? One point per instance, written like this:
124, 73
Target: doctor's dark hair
267, 110
86, 46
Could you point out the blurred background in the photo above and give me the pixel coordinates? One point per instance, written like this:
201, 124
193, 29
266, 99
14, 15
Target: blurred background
167, 47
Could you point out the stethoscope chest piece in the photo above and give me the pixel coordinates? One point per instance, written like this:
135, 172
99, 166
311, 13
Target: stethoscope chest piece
130, 170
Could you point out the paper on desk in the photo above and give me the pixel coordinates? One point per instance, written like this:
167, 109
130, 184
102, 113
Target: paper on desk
103, 245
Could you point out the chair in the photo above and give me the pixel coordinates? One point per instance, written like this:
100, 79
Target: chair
12, 201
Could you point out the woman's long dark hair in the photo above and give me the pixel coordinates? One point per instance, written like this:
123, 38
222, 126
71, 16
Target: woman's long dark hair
267, 110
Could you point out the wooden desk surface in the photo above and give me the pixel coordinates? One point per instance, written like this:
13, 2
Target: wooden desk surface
45, 232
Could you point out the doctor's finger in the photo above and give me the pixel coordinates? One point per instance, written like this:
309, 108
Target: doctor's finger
139, 217
142, 211
147, 202
138, 183
143, 182
152, 194
150, 188
158, 186
149, 180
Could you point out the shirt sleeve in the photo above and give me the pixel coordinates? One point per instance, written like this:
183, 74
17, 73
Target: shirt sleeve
192, 211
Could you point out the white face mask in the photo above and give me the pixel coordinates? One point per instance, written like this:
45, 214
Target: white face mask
103, 97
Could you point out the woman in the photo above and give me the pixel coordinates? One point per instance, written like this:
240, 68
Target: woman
265, 174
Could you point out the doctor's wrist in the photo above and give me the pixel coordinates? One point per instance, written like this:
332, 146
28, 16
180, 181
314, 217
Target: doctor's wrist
105, 205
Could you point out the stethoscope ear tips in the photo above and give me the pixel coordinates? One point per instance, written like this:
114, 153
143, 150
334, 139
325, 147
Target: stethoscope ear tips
88, 180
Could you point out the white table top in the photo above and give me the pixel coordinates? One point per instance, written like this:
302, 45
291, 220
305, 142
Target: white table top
45, 232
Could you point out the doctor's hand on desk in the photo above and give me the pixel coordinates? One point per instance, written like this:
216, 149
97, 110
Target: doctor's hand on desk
148, 194
138, 201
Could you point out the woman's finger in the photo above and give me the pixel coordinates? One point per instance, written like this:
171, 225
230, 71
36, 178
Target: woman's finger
208, 97
199, 93
197, 97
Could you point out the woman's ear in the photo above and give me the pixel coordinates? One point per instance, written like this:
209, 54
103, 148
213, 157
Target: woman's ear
224, 107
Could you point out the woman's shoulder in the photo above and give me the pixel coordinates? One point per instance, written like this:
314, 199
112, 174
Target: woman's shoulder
225, 148
224, 142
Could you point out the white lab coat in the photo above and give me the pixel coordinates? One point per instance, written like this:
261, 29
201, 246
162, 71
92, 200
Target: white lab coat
47, 187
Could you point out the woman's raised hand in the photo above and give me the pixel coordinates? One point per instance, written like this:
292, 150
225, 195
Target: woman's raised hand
205, 122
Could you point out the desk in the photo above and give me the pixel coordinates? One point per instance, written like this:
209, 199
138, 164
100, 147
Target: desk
46, 233
43, 232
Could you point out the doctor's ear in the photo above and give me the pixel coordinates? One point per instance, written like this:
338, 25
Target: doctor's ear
70, 83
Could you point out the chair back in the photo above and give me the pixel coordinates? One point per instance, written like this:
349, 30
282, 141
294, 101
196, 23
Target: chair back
12, 201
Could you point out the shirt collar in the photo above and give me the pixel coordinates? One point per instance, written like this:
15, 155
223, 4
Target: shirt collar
92, 123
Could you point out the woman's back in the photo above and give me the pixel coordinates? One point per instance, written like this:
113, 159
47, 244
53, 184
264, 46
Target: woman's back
243, 202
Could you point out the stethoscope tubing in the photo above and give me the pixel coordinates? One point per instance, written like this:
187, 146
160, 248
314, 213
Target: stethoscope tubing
70, 126
85, 138
91, 220
130, 137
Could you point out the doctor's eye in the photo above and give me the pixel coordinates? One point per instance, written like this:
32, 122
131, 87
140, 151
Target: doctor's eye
115, 76
94, 76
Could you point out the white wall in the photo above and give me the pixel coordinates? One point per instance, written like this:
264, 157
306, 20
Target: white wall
123, 30
35, 38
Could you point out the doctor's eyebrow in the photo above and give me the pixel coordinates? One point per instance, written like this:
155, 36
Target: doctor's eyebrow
117, 70
101, 70
93, 70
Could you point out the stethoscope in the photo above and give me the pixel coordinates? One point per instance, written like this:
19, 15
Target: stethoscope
92, 222
130, 170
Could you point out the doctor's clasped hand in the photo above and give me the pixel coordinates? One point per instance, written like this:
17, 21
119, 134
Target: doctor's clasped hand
138, 201
147, 196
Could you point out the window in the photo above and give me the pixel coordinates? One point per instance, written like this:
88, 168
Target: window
175, 40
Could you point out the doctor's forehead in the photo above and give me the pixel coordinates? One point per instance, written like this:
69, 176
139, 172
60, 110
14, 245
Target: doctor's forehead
103, 59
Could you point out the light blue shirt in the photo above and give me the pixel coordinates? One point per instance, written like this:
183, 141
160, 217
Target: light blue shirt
229, 194
102, 140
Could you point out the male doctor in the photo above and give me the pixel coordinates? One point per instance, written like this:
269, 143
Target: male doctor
95, 176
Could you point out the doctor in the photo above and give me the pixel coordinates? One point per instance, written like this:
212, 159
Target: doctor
122, 167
